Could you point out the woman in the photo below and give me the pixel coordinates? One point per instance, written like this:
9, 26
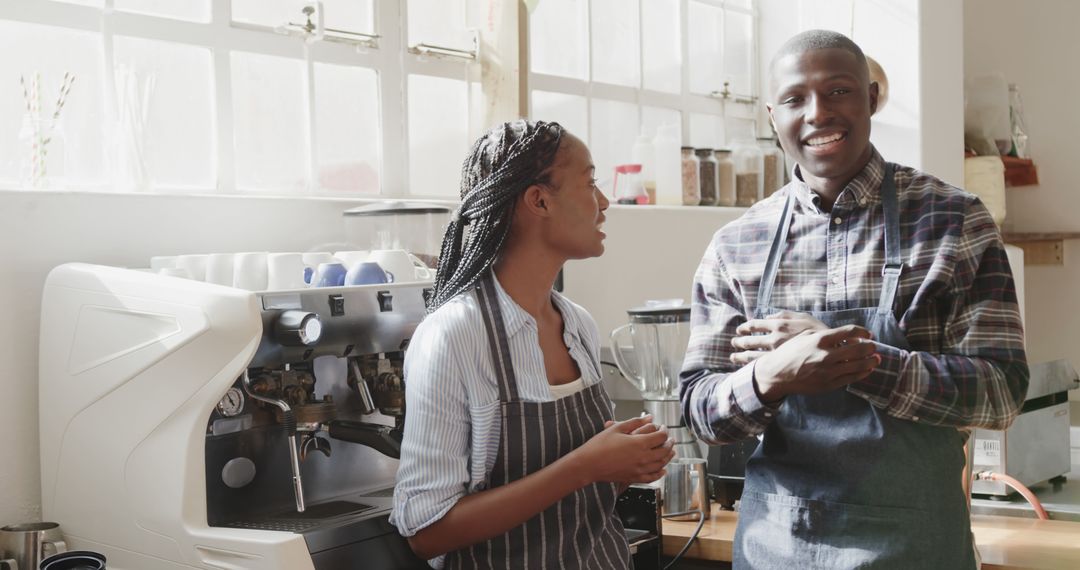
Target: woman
509, 455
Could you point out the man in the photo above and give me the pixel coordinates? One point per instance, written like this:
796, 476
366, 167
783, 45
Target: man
858, 320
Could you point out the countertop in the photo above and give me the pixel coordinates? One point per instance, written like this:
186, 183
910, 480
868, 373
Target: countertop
1003, 542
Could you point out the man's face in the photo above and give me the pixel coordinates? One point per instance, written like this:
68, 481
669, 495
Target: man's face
821, 108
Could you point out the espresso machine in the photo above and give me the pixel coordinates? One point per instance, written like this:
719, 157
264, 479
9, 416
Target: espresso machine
191, 425
658, 334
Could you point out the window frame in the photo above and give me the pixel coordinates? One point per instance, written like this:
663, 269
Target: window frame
735, 106
391, 59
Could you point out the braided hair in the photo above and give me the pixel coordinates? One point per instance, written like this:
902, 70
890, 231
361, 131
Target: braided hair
502, 164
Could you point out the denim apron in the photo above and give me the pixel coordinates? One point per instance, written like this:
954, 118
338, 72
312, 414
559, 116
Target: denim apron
581, 531
838, 483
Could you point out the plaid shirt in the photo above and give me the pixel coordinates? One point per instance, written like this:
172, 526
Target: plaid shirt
956, 304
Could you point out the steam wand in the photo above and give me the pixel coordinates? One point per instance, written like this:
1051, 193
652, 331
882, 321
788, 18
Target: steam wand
290, 436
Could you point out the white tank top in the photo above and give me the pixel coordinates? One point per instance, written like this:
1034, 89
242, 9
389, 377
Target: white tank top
564, 390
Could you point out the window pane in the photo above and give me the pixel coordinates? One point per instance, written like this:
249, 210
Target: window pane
614, 130
661, 45
347, 128
349, 15
172, 86
193, 10
738, 52
707, 131
438, 22
616, 48
268, 12
270, 120
570, 111
747, 4
653, 117
438, 134
558, 42
706, 36
50, 53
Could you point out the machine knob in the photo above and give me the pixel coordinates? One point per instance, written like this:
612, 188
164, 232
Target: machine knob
297, 328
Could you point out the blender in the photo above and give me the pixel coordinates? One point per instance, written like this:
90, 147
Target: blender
652, 359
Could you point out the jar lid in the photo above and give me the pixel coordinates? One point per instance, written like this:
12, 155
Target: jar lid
704, 150
660, 312
687, 148
396, 208
628, 168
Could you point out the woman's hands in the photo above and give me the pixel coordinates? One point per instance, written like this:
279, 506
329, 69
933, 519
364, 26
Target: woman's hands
632, 451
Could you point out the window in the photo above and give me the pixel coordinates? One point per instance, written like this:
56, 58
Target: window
248, 96
606, 69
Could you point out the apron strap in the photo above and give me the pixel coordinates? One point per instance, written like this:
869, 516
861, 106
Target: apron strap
497, 338
768, 278
893, 267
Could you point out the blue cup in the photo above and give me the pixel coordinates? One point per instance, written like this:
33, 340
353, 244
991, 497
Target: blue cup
329, 275
368, 273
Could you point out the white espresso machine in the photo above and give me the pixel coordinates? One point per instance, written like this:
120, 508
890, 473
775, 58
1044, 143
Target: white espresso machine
192, 425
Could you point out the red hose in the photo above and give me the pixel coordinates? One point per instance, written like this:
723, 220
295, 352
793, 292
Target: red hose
1019, 488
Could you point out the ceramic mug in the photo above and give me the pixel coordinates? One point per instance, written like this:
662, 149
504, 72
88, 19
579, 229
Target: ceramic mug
194, 264
398, 262
219, 269
27, 543
285, 271
368, 273
329, 275
249, 271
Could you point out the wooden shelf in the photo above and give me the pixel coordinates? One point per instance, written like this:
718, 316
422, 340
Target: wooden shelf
1041, 248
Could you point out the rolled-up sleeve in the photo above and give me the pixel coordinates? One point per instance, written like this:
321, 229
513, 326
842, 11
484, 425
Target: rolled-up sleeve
718, 398
434, 470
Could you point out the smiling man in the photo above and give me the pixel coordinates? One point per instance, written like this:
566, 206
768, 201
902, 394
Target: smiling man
860, 321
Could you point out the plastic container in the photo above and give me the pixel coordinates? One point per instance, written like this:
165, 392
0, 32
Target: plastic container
708, 176
668, 166
627, 188
644, 153
749, 171
691, 177
773, 166
725, 178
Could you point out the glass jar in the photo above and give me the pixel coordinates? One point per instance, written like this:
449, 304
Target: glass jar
691, 177
725, 175
773, 161
42, 152
749, 171
707, 175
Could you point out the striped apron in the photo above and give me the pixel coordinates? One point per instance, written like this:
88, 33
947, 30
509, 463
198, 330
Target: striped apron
582, 529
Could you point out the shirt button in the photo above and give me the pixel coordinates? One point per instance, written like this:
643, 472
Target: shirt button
836, 280
837, 220
914, 418
768, 414
862, 201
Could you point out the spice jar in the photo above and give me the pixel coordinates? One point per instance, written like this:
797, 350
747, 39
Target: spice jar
773, 162
725, 176
708, 176
749, 171
691, 177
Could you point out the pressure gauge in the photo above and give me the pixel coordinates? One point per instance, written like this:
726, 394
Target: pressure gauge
232, 404
298, 328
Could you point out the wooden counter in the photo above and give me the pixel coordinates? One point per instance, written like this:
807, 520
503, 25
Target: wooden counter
1003, 542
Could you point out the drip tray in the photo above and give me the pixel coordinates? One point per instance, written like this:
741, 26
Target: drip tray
292, 521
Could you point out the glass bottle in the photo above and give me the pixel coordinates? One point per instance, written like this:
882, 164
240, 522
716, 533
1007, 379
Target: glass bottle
707, 175
691, 177
749, 171
773, 166
725, 170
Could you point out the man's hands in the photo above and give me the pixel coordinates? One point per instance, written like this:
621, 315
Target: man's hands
797, 354
758, 335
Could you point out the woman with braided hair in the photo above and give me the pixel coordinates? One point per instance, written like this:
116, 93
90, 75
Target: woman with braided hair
510, 457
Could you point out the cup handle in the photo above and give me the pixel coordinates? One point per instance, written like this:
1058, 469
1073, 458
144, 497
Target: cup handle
420, 268
389, 276
58, 546
620, 362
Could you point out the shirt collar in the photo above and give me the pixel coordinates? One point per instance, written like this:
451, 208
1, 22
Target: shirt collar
864, 189
515, 317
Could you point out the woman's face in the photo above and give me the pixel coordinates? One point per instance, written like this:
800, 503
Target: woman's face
577, 205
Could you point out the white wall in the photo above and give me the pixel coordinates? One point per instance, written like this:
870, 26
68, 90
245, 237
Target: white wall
1035, 45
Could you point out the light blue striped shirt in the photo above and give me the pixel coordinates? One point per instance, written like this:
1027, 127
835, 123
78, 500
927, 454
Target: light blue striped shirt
452, 424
